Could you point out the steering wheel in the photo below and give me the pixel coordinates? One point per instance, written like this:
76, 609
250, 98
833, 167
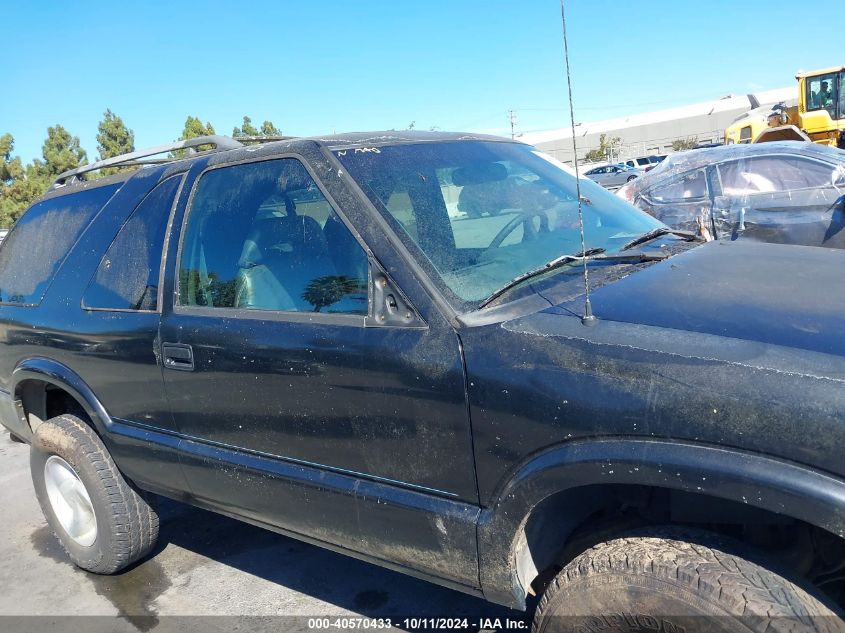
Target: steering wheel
529, 232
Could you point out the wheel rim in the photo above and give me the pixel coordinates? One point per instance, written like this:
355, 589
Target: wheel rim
70, 501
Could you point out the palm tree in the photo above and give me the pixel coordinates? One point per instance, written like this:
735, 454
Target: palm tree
324, 291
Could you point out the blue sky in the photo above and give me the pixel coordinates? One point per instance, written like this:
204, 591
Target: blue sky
315, 66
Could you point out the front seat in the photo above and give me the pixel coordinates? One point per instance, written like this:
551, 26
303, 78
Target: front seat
259, 289
280, 258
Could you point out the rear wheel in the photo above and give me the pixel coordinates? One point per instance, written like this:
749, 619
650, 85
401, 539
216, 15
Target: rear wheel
686, 582
100, 519
630, 178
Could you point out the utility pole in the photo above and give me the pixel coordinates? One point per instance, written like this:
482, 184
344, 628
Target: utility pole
513, 120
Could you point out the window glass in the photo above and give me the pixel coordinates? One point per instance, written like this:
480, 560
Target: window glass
821, 93
766, 174
483, 213
37, 245
261, 236
745, 134
128, 275
691, 186
841, 113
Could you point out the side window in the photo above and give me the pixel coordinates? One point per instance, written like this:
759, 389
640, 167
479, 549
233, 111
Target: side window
691, 186
769, 174
820, 94
841, 113
128, 275
261, 236
37, 245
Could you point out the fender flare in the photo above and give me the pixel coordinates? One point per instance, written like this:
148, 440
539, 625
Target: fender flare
764, 482
54, 373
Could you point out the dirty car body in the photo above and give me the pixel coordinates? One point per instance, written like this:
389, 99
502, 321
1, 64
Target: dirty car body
404, 400
786, 192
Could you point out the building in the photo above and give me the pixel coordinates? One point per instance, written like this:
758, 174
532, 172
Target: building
653, 132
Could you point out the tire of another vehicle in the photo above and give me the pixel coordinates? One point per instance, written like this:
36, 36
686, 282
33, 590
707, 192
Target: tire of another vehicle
126, 526
630, 178
670, 581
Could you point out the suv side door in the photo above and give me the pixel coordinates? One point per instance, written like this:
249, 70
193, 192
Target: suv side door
298, 408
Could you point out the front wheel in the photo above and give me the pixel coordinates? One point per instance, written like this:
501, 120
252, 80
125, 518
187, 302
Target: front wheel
685, 583
99, 518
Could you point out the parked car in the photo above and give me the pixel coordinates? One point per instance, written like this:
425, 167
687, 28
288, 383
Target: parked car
646, 163
787, 192
302, 335
611, 176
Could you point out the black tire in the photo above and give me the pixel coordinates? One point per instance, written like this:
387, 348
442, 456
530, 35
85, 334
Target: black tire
630, 178
126, 525
687, 582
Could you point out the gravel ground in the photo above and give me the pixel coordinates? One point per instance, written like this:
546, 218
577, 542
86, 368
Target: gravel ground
208, 573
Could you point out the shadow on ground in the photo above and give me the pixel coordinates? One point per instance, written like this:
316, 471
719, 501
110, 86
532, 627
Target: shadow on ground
320, 575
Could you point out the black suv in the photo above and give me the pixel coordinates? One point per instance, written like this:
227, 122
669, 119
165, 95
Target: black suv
441, 353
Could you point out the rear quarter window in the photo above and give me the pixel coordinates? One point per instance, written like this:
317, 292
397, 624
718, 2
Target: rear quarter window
40, 241
128, 275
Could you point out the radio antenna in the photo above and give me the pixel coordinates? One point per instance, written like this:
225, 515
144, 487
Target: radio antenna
588, 318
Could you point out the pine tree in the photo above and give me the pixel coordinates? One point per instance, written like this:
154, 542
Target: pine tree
194, 128
61, 151
248, 129
113, 137
19, 187
268, 129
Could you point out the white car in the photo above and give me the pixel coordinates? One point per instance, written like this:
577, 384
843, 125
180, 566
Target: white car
643, 162
612, 176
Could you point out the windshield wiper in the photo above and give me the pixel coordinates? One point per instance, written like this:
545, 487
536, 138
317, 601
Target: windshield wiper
659, 232
591, 255
557, 262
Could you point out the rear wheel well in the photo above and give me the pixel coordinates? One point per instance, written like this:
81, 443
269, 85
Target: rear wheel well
568, 523
41, 400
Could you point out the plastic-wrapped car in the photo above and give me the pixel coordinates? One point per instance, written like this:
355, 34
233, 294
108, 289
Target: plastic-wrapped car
786, 192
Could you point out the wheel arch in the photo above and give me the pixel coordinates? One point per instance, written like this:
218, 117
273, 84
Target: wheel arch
35, 381
565, 485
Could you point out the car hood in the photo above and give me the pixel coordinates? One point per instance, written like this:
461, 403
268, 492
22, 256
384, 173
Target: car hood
771, 293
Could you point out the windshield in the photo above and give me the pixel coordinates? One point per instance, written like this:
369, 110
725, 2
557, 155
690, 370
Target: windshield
483, 213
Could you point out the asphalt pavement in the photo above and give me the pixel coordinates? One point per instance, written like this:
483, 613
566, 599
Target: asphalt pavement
209, 573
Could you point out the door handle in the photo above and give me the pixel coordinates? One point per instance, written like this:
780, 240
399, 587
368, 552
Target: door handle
178, 356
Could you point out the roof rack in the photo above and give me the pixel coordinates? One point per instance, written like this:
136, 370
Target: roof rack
220, 143
262, 139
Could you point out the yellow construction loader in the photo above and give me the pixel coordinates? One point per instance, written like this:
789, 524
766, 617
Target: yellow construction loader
818, 115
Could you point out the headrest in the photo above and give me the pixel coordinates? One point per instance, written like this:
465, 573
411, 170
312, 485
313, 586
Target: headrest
294, 179
280, 235
478, 173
